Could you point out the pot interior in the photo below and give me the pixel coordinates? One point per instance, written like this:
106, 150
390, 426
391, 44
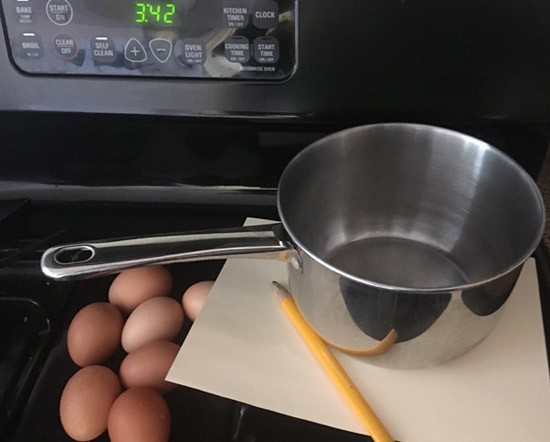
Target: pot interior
411, 206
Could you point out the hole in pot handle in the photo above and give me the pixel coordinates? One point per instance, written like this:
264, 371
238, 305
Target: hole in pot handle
73, 255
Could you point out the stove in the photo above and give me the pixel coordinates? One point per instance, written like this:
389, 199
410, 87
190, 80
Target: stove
221, 184
174, 116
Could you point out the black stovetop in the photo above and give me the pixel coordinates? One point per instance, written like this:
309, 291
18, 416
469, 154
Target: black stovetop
36, 312
83, 178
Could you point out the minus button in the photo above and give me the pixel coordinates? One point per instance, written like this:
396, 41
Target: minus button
161, 49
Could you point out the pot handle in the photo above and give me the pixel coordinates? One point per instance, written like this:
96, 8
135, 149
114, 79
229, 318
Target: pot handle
97, 258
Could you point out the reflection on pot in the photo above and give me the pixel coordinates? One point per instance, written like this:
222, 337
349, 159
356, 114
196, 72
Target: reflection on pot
376, 312
486, 299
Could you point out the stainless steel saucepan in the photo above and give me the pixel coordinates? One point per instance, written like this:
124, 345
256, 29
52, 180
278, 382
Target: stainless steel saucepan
400, 230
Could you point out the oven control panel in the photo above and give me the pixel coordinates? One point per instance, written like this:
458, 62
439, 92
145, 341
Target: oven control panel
234, 39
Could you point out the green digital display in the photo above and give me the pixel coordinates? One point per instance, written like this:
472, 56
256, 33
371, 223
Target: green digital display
155, 13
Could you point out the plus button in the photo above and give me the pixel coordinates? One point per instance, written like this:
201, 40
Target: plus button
134, 52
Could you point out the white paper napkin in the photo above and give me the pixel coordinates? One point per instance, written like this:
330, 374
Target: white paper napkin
244, 348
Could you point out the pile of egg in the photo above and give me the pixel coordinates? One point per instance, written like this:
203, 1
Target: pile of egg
144, 320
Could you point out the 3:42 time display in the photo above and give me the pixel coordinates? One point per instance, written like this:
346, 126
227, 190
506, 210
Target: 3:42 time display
156, 13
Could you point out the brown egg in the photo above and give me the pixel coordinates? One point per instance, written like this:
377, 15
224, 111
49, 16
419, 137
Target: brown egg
86, 401
158, 319
94, 333
139, 415
194, 298
148, 366
132, 287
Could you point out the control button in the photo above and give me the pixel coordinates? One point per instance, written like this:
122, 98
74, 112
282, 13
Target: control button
266, 50
192, 51
237, 49
65, 46
235, 13
161, 49
60, 12
24, 12
103, 49
134, 51
29, 45
265, 14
